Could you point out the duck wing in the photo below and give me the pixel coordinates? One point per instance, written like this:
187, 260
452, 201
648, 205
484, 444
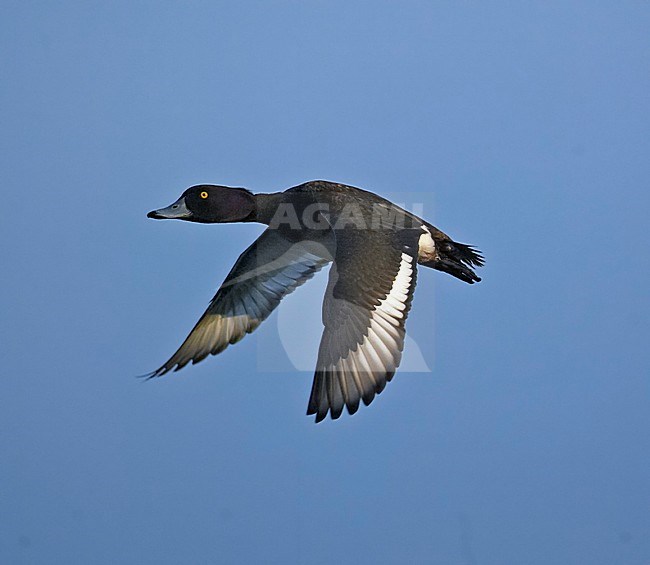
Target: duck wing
272, 267
368, 297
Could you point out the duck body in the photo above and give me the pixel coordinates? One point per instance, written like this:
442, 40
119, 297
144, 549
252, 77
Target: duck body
374, 247
348, 207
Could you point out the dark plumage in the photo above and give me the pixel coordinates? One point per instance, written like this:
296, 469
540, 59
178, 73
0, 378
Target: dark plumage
374, 247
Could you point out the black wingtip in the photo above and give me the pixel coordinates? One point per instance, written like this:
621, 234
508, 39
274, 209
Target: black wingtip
353, 408
313, 411
320, 416
159, 372
149, 376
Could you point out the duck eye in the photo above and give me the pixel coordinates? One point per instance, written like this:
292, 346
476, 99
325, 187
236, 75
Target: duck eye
204, 195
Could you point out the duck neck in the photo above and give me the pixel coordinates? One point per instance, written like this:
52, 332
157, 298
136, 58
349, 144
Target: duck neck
265, 207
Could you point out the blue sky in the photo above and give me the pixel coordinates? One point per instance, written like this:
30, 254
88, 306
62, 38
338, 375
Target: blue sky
521, 128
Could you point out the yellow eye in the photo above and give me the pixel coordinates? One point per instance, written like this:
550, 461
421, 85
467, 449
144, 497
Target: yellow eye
204, 195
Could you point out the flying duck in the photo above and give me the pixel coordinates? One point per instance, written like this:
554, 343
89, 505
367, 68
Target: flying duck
374, 247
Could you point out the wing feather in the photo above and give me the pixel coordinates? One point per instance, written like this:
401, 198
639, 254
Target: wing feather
272, 267
364, 312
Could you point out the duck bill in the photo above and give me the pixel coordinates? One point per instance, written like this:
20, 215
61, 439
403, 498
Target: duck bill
176, 211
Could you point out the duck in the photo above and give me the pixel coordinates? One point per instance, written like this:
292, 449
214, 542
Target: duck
373, 247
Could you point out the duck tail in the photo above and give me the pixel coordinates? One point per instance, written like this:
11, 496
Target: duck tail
458, 259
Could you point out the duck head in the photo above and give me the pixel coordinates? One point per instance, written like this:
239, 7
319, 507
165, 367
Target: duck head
209, 204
